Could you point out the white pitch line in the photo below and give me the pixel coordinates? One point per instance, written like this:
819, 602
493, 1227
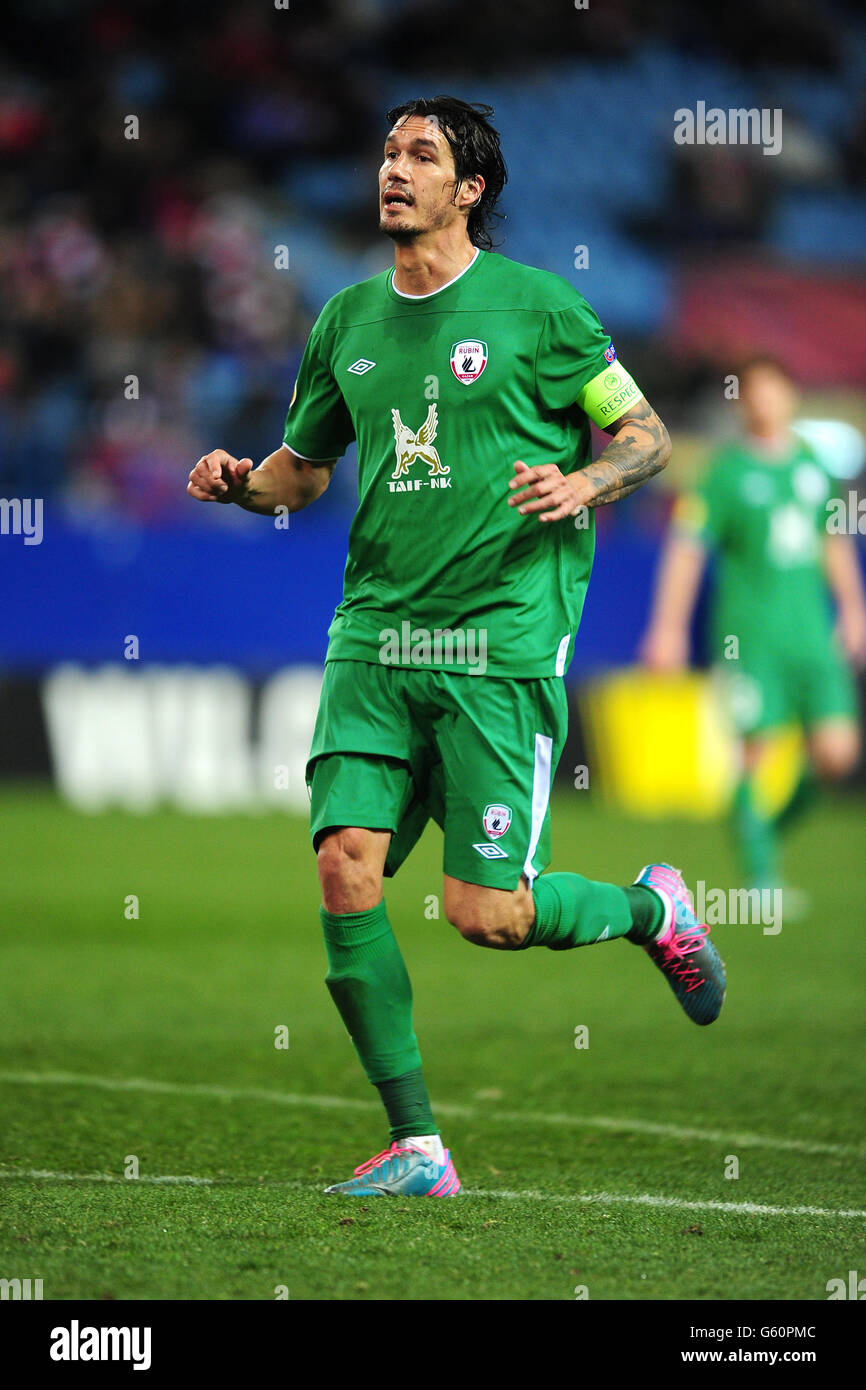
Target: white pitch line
642, 1199
47, 1173
649, 1199
610, 1123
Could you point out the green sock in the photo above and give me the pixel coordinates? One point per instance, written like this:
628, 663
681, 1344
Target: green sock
370, 986
408, 1105
647, 913
756, 837
574, 911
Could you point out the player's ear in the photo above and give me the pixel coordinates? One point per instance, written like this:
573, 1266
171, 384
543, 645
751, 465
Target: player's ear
471, 191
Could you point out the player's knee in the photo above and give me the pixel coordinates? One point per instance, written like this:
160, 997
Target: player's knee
486, 925
349, 881
835, 756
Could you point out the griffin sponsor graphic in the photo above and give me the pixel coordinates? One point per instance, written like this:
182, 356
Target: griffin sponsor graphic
411, 445
468, 360
496, 820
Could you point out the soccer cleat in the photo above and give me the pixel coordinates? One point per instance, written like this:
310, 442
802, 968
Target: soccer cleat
404, 1170
683, 950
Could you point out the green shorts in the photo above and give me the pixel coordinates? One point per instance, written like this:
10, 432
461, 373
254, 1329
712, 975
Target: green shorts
770, 690
394, 748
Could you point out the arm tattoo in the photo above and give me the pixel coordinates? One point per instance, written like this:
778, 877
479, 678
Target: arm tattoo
307, 487
641, 449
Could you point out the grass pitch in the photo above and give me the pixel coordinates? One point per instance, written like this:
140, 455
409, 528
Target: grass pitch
599, 1168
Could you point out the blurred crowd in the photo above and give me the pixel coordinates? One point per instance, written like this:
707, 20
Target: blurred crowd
148, 168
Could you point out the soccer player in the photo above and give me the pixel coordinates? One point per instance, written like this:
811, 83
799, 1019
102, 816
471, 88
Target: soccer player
468, 382
762, 508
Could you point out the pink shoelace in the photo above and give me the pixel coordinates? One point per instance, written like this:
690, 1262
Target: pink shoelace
395, 1148
675, 955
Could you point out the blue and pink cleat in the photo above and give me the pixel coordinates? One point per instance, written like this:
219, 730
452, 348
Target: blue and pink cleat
403, 1170
683, 950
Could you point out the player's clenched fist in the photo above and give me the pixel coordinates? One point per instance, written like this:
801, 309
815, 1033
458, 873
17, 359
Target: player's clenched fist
217, 477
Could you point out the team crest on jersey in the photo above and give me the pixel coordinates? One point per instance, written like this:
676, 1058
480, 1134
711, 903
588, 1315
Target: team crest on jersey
610, 354
496, 820
468, 360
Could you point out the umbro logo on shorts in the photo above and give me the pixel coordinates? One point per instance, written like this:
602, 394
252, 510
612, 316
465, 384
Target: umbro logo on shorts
490, 851
362, 365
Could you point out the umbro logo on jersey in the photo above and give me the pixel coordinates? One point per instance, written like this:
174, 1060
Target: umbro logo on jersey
490, 851
468, 360
362, 365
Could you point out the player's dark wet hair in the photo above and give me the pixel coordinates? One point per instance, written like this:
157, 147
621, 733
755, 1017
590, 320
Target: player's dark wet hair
475, 147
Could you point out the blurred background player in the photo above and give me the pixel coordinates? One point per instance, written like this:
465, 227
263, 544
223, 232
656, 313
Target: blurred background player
761, 509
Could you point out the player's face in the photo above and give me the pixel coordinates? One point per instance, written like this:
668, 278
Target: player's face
768, 400
417, 180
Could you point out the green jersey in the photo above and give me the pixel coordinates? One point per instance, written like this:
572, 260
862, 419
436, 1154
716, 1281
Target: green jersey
443, 392
767, 522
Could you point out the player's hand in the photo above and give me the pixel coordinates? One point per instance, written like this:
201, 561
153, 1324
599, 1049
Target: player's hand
546, 490
665, 649
218, 477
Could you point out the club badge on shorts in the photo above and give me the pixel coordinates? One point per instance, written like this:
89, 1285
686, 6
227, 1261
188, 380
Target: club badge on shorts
496, 820
468, 360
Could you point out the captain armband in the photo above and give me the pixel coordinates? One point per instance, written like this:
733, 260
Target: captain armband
608, 395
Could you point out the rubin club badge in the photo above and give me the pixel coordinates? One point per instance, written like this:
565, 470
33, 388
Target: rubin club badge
468, 360
496, 820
